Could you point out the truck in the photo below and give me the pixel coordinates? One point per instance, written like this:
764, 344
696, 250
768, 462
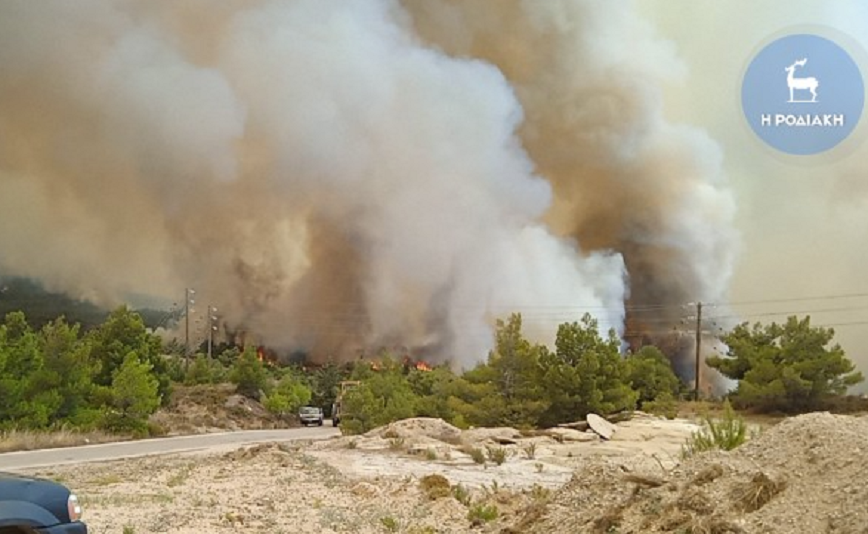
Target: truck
337, 407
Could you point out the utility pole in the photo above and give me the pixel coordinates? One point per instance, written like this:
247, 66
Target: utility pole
211, 327
698, 347
188, 299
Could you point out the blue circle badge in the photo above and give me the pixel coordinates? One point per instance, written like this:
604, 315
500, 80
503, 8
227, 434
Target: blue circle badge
802, 94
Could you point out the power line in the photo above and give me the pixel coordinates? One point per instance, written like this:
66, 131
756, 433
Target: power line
835, 325
771, 313
795, 299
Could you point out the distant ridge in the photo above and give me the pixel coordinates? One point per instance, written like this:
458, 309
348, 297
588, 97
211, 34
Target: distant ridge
41, 306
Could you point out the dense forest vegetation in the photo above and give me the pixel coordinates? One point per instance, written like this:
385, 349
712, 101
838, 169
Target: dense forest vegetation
117, 373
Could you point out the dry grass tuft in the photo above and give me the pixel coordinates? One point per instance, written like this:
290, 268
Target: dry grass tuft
695, 500
709, 474
31, 440
530, 515
179, 478
753, 495
610, 520
673, 519
251, 452
475, 453
496, 454
711, 525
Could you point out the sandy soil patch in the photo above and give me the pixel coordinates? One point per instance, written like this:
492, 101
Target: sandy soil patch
369, 483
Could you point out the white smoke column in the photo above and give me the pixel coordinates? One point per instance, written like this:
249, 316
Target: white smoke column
410, 157
326, 179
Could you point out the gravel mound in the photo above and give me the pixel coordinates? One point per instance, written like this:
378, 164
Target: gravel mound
804, 475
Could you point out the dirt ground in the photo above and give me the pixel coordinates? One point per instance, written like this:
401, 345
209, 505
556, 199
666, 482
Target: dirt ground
805, 474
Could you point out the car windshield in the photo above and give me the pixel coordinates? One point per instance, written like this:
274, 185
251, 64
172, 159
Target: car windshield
309, 410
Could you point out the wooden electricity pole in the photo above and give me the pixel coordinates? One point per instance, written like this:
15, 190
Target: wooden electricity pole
186, 329
698, 347
188, 299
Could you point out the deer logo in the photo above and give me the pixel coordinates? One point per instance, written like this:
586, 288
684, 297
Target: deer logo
794, 83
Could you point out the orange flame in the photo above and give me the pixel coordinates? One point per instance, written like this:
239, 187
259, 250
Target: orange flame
422, 366
264, 356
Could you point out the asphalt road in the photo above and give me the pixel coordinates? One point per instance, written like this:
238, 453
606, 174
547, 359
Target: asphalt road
16, 461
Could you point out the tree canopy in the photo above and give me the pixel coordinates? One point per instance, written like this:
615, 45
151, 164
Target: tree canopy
585, 374
790, 367
115, 376
60, 376
650, 373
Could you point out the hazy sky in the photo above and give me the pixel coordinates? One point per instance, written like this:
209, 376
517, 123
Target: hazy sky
803, 221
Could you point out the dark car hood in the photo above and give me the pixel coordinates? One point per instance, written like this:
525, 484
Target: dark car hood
48, 494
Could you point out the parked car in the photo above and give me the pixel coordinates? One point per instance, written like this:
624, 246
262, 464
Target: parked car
31, 505
309, 415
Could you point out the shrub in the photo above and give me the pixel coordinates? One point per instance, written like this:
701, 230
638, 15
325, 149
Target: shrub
156, 429
249, 375
380, 399
476, 455
758, 492
277, 404
496, 454
133, 397
204, 371
725, 434
389, 523
435, 486
480, 514
650, 374
461, 494
289, 395
665, 405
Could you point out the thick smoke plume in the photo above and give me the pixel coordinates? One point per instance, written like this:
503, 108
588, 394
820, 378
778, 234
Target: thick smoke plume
340, 176
590, 77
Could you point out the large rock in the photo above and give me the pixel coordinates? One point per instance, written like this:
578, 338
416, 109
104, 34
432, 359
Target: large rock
602, 427
501, 435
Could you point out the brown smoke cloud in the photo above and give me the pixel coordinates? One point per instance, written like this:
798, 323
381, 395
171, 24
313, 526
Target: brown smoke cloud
337, 176
590, 77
